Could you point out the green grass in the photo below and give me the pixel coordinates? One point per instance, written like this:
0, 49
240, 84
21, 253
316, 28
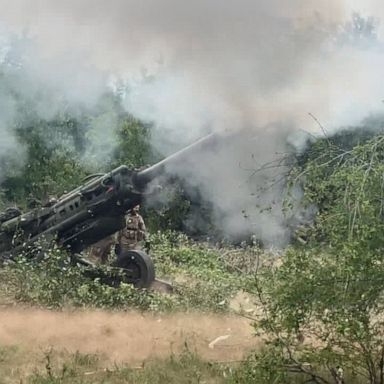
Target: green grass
61, 368
203, 279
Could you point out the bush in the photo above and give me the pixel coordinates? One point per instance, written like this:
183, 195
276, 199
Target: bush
322, 307
53, 281
201, 277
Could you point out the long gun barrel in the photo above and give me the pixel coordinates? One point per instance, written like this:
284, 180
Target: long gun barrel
183, 156
90, 212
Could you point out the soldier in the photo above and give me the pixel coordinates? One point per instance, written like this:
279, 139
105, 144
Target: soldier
134, 234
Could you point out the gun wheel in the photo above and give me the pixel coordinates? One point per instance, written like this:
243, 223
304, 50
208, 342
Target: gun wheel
137, 266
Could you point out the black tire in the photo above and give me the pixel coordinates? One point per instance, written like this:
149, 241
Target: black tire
137, 266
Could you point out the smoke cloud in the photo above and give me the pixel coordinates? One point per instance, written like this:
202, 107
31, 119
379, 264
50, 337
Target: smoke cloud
34, 89
190, 68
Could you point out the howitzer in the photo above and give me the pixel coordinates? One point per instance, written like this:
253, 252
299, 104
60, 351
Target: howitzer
90, 213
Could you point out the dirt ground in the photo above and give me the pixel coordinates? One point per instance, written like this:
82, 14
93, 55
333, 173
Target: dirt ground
126, 337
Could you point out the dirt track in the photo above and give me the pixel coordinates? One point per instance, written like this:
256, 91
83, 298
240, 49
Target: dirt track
127, 337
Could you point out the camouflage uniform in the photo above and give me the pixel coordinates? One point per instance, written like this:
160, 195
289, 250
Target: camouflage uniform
134, 234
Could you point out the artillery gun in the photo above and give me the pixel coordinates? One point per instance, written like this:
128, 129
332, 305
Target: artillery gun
90, 213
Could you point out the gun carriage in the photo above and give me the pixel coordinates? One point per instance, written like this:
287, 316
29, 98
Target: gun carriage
90, 213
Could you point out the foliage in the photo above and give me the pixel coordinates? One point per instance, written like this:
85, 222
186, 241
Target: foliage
48, 168
171, 210
133, 148
53, 281
322, 306
57, 153
346, 186
262, 367
63, 368
202, 280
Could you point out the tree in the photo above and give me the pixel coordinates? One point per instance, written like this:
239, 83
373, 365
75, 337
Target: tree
322, 307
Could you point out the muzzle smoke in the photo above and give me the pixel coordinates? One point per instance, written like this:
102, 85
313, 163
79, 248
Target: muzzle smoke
197, 67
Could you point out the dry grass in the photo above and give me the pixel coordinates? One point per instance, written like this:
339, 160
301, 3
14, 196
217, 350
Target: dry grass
125, 337
54, 367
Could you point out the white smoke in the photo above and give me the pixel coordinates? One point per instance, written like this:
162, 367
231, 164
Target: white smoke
35, 89
196, 67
